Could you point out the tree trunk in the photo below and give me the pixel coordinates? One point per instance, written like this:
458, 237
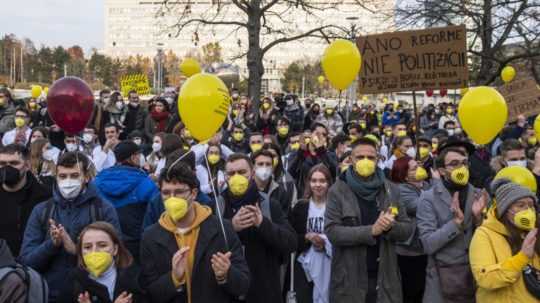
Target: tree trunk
486, 64
254, 54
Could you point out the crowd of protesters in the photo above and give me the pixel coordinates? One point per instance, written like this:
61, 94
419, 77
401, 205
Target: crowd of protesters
294, 201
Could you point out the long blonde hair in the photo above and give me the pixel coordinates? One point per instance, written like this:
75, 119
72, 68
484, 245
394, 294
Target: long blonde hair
37, 163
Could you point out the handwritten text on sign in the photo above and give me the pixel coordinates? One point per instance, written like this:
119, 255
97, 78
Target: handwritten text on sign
522, 97
414, 60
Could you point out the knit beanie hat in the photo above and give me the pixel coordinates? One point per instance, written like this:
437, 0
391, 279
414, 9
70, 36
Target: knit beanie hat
507, 192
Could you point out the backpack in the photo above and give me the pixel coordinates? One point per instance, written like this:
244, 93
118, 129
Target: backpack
36, 289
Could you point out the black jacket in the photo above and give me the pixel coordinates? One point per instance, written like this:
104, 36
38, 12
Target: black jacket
298, 219
78, 282
16, 209
158, 247
135, 118
266, 248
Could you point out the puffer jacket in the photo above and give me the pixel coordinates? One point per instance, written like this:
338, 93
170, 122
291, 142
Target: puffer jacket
498, 272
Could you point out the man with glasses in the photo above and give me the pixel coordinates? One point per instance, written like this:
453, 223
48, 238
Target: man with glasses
20, 191
188, 256
446, 218
21, 133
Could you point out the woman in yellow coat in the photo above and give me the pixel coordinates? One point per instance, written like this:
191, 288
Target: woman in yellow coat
504, 253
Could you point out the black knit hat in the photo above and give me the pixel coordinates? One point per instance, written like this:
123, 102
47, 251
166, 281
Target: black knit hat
124, 150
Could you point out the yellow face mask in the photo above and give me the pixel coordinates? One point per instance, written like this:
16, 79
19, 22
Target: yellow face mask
238, 136
213, 159
363, 125
532, 141
2, 101
353, 138
449, 111
19, 122
388, 133
365, 167
177, 208
424, 152
421, 174
187, 134
283, 131
525, 219
235, 112
434, 146
460, 176
97, 262
307, 140
402, 133
295, 146
344, 168
266, 106
238, 185
256, 147
329, 112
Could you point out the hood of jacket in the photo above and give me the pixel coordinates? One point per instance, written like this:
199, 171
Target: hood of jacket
493, 224
122, 185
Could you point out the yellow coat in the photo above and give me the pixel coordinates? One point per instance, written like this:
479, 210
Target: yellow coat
498, 273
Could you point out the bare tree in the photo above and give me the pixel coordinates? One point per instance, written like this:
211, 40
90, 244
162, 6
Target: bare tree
267, 24
494, 28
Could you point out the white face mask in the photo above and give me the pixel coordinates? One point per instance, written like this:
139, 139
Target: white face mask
411, 152
450, 132
70, 147
70, 188
156, 147
106, 100
87, 138
49, 154
119, 104
290, 102
263, 173
137, 141
521, 163
170, 100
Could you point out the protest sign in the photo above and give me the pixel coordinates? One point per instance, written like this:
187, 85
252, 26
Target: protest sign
137, 82
522, 96
414, 60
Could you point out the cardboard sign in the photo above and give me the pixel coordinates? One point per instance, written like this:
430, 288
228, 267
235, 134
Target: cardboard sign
137, 82
522, 96
414, 60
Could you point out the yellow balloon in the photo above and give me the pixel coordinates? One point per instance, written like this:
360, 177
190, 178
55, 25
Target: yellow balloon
321, 79
519, 175
365, 98
508, 73
36, 91
482, 112
537, 127
341, 63
203, 105
190, 67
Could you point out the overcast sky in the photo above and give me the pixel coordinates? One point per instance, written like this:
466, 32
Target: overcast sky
55, 22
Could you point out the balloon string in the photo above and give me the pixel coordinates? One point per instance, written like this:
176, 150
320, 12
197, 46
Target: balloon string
218, 209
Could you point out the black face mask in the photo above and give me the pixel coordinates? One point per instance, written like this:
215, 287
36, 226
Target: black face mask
10, 176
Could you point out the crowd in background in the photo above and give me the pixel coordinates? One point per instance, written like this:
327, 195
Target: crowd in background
295, 199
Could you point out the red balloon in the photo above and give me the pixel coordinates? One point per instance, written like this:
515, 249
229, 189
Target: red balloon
443, 92
70, 103
429, 92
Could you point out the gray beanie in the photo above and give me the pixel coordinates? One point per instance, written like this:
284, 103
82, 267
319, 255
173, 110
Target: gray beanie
507, 192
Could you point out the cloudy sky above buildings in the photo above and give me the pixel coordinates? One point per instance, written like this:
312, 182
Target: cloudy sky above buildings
55, 22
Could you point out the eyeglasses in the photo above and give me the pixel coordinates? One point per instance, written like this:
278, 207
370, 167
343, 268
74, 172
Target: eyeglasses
457, 163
